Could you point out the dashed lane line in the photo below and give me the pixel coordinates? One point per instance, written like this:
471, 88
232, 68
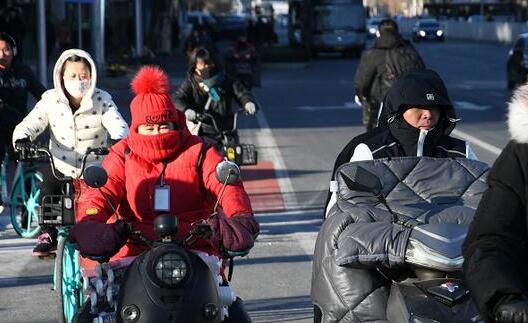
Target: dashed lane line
478, 142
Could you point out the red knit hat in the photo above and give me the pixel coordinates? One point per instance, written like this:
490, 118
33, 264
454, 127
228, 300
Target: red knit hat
152, 103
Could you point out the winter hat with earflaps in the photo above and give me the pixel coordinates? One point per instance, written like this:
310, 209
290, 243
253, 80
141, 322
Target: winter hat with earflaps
152, 105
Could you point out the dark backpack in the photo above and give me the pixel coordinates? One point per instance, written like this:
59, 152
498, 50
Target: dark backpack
400, 60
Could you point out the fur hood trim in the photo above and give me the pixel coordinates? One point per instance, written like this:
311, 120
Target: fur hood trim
518, 115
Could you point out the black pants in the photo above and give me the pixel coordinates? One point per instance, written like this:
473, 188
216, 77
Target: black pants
370, 113
6, 135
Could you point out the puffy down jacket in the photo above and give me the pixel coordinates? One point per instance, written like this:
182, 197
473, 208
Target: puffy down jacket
358, 236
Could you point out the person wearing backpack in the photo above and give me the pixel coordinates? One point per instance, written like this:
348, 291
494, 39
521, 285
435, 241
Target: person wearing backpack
390, 57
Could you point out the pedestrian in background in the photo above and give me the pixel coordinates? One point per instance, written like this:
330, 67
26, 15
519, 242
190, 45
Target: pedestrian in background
389, 57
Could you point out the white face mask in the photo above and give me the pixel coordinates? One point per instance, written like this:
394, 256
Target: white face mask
77, 88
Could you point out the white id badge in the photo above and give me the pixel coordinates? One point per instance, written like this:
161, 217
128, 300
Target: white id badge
162, 198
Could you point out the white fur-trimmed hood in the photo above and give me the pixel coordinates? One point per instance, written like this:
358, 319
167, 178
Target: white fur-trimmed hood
518, 115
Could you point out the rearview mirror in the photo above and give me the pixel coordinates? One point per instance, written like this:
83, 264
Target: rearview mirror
95, 176
227, 172
359, 179
166, 225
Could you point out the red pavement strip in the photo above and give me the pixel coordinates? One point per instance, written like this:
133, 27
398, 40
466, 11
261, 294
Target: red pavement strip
263, 187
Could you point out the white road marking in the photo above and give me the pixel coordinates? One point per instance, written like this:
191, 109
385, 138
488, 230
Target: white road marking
265, 138
299, 222
481, 85
306, 240
464, 105
478, 142
345, 106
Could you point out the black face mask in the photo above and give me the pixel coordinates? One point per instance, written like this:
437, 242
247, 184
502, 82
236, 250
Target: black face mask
209, 72
408, 136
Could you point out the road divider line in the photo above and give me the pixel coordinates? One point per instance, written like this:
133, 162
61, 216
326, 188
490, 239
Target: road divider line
478, 142
464, 105
265, 138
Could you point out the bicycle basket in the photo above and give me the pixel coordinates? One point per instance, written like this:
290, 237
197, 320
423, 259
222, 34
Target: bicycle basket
57, 210
242, 154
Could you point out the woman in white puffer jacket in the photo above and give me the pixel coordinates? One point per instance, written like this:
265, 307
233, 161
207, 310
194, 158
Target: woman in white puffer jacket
79, 116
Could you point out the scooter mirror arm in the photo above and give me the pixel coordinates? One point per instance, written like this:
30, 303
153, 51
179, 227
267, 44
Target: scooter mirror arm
108, 201
409, 222
224, 184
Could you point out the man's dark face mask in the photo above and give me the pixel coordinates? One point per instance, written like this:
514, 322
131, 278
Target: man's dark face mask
209, 72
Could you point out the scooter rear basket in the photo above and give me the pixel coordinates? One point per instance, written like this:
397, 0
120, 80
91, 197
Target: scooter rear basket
242, 154
57, 210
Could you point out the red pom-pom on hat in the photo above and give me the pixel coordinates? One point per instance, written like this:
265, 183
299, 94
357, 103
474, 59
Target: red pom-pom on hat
150, 79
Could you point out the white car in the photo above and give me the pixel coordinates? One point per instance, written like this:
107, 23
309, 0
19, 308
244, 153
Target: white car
372, 26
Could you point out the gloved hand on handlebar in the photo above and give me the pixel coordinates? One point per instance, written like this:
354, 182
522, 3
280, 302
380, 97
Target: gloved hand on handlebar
191, 115
23, 148
236, 233
22, 143
250, 108
512, 308
100, 241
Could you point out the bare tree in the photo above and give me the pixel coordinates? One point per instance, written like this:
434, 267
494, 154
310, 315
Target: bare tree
392, 7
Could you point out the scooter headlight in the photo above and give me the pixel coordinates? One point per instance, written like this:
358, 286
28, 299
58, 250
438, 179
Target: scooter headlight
171, 268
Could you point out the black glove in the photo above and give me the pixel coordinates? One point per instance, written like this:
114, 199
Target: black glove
512, 309
22, 143
100, 241
23, 149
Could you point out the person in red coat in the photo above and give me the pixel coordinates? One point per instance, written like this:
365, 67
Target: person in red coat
160, 151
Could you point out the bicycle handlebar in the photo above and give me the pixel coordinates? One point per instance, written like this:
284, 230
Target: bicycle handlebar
207, 116
200, 230
31, 151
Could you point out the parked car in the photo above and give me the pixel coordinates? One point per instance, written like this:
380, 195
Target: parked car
428, 29
372, 26
516, 66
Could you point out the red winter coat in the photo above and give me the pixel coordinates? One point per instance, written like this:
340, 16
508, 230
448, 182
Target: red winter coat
131, 183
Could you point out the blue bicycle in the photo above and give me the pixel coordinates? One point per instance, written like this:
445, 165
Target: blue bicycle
59, 211
23, 197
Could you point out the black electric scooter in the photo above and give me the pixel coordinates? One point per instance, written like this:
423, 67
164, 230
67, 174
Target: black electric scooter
167, 283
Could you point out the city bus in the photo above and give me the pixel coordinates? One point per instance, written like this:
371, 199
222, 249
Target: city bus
328, 25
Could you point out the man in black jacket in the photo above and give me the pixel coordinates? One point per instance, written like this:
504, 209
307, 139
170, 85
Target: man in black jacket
496, 247
418, 117
206, 89
16, 82
379, 67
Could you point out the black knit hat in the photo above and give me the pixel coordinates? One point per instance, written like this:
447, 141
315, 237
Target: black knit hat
418, 88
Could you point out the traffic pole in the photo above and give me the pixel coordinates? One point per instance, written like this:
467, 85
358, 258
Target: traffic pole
42, 65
